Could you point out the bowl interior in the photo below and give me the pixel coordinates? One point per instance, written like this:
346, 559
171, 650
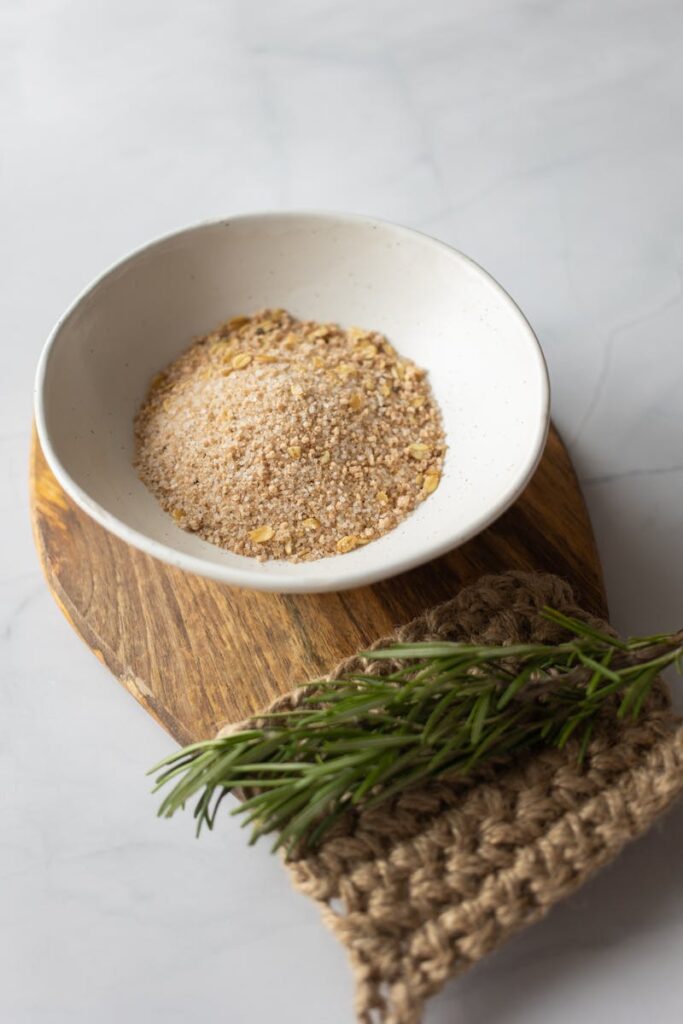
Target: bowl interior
435, 306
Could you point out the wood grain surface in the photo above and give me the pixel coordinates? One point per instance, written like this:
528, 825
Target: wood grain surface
197, 654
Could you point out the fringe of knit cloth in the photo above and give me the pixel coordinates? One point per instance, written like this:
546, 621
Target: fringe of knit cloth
420, 889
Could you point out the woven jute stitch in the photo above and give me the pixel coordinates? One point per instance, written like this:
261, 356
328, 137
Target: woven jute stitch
421, 888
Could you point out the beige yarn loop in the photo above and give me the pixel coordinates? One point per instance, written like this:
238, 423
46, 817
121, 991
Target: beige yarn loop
421, 888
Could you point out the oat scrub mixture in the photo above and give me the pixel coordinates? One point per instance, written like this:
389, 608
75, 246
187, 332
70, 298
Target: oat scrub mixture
280, 438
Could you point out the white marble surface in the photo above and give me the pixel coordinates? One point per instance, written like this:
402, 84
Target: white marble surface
544, 139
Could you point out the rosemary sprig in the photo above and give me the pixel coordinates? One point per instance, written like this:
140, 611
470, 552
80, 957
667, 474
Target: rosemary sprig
451, 706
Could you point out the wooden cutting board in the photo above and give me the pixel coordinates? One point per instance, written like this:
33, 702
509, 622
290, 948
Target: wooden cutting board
197, 654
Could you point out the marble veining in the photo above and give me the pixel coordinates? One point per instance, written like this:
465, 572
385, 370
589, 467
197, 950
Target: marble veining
543, 140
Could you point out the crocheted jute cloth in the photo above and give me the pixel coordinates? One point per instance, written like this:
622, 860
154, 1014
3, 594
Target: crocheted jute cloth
421, 888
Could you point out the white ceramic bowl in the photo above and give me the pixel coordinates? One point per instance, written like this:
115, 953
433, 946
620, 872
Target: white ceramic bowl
434, 304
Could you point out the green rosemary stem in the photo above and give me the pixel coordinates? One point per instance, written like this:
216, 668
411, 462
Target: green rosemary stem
359, 740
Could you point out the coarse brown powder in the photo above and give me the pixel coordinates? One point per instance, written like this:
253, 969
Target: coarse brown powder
280, 438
